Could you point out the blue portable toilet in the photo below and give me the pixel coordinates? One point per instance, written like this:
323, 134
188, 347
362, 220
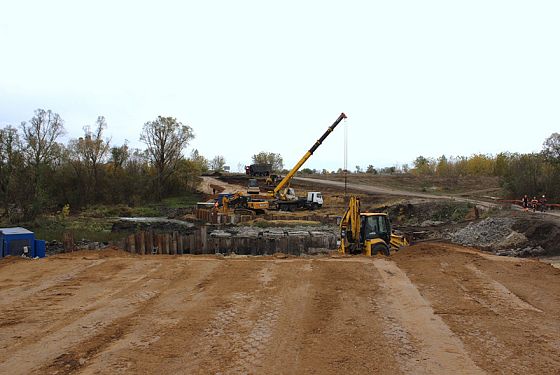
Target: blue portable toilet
19, 241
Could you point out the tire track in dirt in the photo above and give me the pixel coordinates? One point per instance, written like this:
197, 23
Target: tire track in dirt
497, 297
495, 307
68, 300
208, 319
146, 326
80, 327
239, 334
40, 282
437, 350
331, 325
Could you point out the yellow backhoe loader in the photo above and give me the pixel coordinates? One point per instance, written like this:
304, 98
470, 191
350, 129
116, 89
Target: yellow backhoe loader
368, 233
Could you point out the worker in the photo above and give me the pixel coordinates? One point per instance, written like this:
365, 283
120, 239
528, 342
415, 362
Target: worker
543, 203
534, 203
525, 202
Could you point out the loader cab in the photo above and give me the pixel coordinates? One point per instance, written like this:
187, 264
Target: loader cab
375, 225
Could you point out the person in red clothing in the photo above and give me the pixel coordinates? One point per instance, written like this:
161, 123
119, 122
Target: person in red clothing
534, 203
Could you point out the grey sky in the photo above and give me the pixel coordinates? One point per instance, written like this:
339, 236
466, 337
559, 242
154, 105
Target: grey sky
414, 77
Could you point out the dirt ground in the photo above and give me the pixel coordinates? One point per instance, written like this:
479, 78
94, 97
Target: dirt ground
429, 309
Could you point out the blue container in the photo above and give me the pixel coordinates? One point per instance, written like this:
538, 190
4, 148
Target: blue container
40, 248
19, 241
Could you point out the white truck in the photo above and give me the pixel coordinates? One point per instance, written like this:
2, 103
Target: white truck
313, 201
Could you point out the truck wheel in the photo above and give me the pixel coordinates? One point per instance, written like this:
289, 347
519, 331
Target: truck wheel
314, 206
382, 248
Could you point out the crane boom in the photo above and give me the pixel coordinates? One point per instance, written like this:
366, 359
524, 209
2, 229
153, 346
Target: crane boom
296, 167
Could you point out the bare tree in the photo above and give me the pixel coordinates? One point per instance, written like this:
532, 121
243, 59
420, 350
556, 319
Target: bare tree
94, 150
40, 148
9, 157
39, 137
551, 148
165, 138
217, 164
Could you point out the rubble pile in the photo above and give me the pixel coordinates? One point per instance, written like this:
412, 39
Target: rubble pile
497, 235
486, 233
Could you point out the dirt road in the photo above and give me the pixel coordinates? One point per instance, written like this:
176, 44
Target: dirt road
431, 309
391, 191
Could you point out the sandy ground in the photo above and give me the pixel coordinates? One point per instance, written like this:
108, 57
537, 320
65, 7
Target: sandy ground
429, 309
209, 185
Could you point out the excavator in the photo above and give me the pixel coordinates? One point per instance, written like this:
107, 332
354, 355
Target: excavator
368, 233
284, 196
241, 203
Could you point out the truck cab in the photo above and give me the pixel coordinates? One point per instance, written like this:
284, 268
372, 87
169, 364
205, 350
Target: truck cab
315, 199
253, 187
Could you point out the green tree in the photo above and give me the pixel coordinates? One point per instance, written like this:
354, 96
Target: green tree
165, 138
202, 163
271, 158
92, 150
40, 147
424, 166
371, 169
217, 163
551, 148
12, 171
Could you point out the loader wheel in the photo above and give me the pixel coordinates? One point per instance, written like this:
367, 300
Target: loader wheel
382, 248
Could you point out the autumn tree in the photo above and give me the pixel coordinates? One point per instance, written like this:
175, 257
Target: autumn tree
165, 138
424, 166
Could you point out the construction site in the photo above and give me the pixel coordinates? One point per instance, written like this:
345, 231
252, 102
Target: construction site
295, 275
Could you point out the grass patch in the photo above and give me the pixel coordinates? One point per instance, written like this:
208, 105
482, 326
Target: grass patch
95, 229
182, 201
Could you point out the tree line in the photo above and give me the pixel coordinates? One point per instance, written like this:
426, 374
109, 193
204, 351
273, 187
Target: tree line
38, 173
532, 174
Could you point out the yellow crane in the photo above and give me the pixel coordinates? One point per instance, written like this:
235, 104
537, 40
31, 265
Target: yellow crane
286, 196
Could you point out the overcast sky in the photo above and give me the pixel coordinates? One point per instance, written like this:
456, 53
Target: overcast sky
414, 77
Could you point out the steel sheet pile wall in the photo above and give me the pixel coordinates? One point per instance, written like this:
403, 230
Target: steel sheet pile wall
220, 242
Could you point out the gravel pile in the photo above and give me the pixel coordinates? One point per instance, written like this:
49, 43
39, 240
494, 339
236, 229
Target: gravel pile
497, 235
486, 233
524, 252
